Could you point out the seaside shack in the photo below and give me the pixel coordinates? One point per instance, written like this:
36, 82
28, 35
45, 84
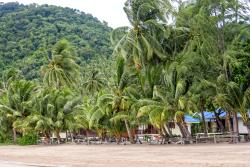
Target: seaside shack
194, 124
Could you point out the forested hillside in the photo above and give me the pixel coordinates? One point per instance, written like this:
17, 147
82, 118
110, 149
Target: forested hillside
27, 34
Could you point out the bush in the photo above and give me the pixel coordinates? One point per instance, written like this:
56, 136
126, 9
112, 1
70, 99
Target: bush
6, 139
28, 139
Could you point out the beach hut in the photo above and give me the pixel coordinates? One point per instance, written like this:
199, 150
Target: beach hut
210, 119
150, 130
190, 120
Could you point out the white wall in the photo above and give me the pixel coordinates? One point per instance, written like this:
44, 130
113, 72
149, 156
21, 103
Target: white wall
176, 130
242, 128
62, 135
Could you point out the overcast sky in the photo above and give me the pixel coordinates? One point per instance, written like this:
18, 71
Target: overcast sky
105, 10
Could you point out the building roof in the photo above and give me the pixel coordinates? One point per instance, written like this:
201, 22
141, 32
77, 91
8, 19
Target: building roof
211, 115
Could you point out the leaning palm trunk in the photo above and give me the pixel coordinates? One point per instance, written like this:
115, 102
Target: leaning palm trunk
167, 128
183, 133
180, 119
129, 132
218, 120
185, 127
165, 135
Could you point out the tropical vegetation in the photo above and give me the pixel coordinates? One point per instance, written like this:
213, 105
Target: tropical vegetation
176, 58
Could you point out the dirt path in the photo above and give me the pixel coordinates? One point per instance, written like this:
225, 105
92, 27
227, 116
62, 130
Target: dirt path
226, 155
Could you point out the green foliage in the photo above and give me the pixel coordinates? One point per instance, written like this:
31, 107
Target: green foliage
62, 69
160, 71
6, 139
28, 139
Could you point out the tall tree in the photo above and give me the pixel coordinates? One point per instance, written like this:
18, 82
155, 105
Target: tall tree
62, 69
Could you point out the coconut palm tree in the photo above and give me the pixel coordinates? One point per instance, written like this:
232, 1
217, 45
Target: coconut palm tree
169, 102
236, 99
94, 83
117, 104
141, 44
40, 119
62, 69
64, 103
87, 116
52, 112
8, 76
118, 107
15, 108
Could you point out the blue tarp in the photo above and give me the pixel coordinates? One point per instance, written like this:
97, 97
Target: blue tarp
208, 116
222, 114
190, 119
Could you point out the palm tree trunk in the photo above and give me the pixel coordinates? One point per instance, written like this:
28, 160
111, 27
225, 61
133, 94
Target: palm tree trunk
229, 123
72, 137
204, 123
47, 137
235, 127
87, 136
185, 127
183, 133
218, 120
118, 140
167, 128
58, 136
202, 101
165, 135
129, 132
14, 135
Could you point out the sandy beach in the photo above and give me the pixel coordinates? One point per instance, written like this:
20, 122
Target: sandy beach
223, 155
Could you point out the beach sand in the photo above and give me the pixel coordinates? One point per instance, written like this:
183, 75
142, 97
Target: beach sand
219, 155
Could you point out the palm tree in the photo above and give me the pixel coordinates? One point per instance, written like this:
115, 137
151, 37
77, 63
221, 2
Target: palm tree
118, 103
236, 99
10, 75
53, 111
169, 102
141, 43
15, 108
95, 82
40, 119
62, 69
157, 114
118, 108
64, 103
87, 116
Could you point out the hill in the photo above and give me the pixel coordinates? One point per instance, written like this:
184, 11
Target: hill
28, 32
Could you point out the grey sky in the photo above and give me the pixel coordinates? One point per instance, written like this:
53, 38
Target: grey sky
107, 10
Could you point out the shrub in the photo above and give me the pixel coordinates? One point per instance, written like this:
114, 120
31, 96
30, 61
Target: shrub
6, 139
28, 139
